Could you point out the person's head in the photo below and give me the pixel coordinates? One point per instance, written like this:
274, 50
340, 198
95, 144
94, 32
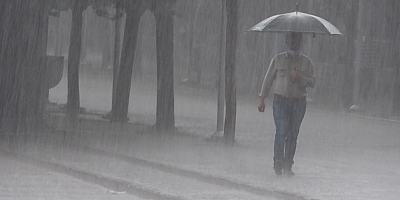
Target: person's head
293, 40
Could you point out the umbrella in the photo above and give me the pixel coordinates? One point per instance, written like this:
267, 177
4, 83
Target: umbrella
296, 22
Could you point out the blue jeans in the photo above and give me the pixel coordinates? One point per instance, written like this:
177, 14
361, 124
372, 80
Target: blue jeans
288, 115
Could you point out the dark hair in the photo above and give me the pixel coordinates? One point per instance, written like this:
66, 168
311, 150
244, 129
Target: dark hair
294, 35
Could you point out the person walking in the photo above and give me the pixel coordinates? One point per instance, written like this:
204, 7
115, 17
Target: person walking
288, 76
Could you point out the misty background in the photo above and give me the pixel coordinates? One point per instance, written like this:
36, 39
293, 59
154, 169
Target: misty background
370, 38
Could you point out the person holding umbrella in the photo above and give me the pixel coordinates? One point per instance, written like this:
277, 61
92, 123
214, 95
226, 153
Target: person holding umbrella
288, 76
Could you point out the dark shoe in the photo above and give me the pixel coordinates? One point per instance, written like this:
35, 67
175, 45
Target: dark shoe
278, 167
288, 172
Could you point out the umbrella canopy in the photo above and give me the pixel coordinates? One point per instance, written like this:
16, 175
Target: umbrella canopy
296, 22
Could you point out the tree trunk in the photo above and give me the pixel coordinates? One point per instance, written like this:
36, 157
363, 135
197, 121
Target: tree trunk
351, 36
12, 23
24, 28
395, 57
165, 117
117, 52
73, 100
84, 40
221, 88
230, 70
37, 61
123, 82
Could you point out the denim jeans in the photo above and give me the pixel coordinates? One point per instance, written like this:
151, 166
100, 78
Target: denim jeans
288, 115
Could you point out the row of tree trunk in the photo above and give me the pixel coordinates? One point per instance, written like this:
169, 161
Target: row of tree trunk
165, 119
23, 61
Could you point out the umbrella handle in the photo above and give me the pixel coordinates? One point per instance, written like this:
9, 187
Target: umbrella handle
297, 8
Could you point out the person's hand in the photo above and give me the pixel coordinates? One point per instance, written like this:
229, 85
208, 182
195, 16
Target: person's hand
261, 105
293, 75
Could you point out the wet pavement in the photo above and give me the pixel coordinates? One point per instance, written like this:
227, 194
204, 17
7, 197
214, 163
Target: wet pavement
21, 180
332, 165
340, 155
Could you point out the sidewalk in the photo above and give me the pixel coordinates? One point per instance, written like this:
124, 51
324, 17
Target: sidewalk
339, 157
126, 174
23, 181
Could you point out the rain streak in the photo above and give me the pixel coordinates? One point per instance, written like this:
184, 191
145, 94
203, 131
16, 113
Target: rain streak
205, 99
